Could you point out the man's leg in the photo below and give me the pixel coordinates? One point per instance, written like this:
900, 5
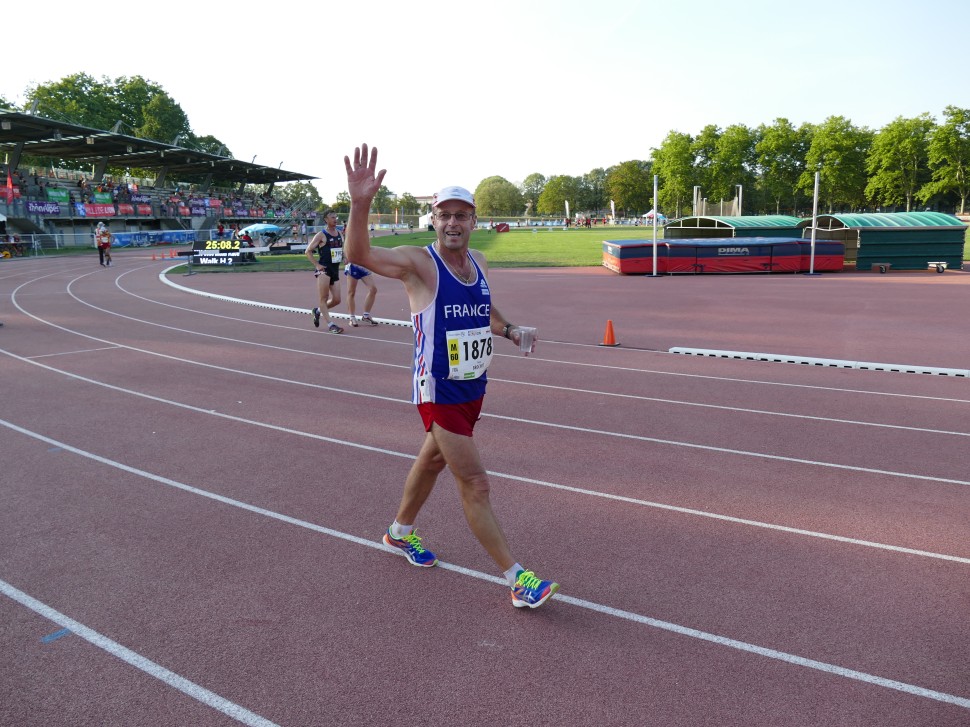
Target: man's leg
371, 293
351, 293
461, 455
333, 294
420, 481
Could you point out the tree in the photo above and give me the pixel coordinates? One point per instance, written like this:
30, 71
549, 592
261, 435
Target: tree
704, 148
80, 99
408, 204
557, 191
780, 158
531, 190
164, 120
383, 201
630, 186
673, 163
592, 191
300, 194
734, 159
209, 144
838, 151
898, 160
498, 196
949, 157
5, 104
342, 205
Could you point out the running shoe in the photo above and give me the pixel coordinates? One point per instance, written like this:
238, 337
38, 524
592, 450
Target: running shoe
316, 317
410, 547
367, 319
530, 591
353, 321
334, 328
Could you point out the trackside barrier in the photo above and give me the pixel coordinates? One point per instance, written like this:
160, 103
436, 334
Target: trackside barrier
163, 277
828, 362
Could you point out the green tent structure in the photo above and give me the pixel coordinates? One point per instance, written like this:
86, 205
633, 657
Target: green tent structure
897, 240
721, 226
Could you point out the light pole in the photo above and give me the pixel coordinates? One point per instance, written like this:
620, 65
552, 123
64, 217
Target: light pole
740, 199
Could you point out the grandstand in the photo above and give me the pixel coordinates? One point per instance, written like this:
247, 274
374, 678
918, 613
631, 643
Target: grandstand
49, 206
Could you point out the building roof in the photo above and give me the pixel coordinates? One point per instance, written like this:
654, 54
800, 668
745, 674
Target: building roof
885, 219
750, 221
45, 137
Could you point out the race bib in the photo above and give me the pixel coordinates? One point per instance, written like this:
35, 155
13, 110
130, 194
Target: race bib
469, 352
336, 255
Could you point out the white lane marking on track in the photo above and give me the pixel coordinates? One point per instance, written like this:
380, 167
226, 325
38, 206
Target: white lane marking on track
71, 353
133, 658
775, 654
676, 402
516, 478
164, 279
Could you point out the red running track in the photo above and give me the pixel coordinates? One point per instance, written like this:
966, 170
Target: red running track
194, 491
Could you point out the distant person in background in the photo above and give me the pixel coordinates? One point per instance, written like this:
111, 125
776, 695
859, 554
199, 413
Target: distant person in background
102, 238
303, 232
355, 273
328, 244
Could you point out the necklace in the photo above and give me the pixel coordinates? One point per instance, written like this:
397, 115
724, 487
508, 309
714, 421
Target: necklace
466, 279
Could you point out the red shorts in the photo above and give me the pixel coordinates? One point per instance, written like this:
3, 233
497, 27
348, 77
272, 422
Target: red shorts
455, 418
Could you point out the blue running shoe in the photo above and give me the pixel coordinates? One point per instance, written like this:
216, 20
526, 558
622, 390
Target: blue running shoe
530, 591
316, 317
410, 547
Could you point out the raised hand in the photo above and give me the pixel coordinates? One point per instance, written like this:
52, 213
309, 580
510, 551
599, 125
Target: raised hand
363, 181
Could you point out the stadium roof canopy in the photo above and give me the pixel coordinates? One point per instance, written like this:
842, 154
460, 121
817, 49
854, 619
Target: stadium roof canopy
25, 134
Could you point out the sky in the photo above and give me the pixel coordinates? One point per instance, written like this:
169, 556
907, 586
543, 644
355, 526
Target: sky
452, 93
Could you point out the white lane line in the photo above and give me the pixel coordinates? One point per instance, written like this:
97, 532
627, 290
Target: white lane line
687, 631
507, 476
635, 397
164, 279
71, 353
193, 690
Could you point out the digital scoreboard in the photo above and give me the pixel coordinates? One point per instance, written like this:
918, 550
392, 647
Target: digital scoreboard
216, 252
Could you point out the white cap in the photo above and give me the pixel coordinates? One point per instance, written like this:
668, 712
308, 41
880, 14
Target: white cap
450, 193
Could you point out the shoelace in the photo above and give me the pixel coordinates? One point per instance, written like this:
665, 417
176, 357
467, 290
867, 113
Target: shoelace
414, 540
527, 579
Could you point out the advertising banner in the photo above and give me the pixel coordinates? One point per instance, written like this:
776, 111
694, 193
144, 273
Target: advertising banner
145, 210
43, 208
57, 195
126, 209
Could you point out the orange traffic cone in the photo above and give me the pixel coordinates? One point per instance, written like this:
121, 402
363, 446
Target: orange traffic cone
608, 338
153, 256
171, 253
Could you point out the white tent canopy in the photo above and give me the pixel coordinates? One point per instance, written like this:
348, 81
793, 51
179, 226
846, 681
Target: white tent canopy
651, 213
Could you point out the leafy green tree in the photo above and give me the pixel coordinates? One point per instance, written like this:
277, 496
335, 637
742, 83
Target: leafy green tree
531, 190
673, 163
734, 160
208, 144
838, 151
164, 120
592, 191
949, 157
79, 98
5, 104
557, 191
408, 204
704, 148
131, 98
342, 205
498, 196
898, 161
630, 186
383, 201
300, 194
780, 158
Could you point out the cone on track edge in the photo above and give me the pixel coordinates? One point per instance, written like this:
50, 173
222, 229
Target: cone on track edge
171, 253
153, 256
608, 338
